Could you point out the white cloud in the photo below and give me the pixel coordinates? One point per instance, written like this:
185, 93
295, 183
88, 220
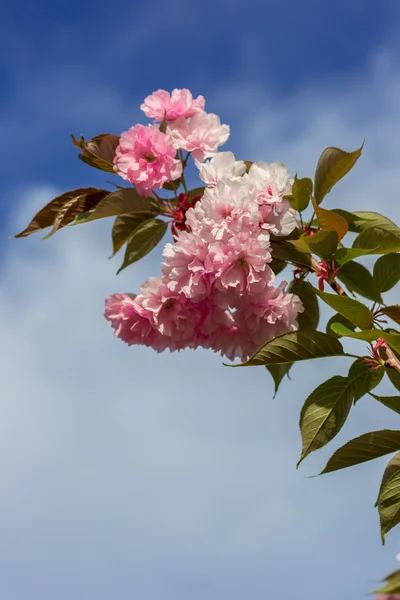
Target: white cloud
174, 466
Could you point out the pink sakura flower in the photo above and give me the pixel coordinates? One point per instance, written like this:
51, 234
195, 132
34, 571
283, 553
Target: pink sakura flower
201, 135
223, 211
185, 266
241, 264
178, 104
146, 158
222, 165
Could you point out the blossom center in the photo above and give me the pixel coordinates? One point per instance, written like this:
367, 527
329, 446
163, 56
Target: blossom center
149, 157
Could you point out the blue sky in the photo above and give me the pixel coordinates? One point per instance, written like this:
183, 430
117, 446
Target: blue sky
129, 474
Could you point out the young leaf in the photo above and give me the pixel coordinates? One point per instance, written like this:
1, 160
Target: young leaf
340, 320
353, 310
333, 165
331, 221
363, 448
393, 312
389, 503
278, 372
370, 335
323, 244
378, 241
294, 346
363, 378
301, 193
98, 152
308, 319
391, 589
143, 240
392, 402
64, 209
324, 413
387, 272
301, 244
121, 202
124, 226
359, 280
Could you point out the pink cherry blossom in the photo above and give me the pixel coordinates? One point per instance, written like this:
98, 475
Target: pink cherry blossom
201, 135
222, 166
223, 211
178, 104
146, 158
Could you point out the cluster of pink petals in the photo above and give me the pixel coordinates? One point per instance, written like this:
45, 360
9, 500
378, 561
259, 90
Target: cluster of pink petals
146, 158
216, 288
180, 103
201, 135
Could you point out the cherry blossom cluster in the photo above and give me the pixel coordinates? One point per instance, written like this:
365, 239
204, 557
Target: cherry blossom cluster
217, 288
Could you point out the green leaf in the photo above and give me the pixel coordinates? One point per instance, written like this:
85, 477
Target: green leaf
333, 165
394, 377
199, 191
393, 312
278, 372
277, 265
392, 586
287, 253
363, 378
364, 448
331, 221
301, 193
143, 240
124, 226
377, 241
387, 272
64, 209
389, 501
345, 255
392, 402
308, 319
301, 244
98, 152
353, 310
391, 468
359, 280
338, 319
392, 339
294, 346
365, 220
324, 413
366, 336
121, 202
323, 244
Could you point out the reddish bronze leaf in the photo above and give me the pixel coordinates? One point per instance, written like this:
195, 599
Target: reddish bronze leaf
98, 152
64, 209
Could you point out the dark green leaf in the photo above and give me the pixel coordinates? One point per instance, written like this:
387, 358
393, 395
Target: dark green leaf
324, 413
392, 402
394, 377
387, 272
98, 152
392, 339
301, 193
378, 241
359, 280
324, 243
121, 202
287, 252
124, 226
277, 265
308, 319
353, 310
341, 320
294, 346
143, 240
345, 255
363, 378
389, 502
333, 165
363, 448
64, 209
278, 372
196, 192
